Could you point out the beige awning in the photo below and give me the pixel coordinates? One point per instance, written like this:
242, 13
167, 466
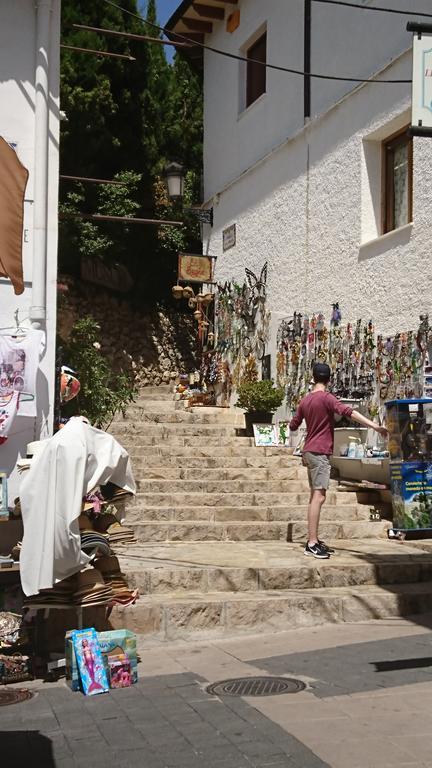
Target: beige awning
13, 181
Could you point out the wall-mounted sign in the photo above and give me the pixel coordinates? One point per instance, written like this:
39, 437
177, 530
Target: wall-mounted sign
421, 121
195, 269
116, 277
229, 236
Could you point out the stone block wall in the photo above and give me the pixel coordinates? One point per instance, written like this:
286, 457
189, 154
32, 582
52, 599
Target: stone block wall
155, 345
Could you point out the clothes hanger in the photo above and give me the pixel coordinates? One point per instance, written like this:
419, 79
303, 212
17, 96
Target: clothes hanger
19, 329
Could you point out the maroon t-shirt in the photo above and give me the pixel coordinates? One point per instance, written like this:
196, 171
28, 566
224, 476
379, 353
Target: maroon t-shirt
318, 409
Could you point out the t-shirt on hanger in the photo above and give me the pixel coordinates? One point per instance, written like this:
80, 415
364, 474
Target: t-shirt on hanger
19, 363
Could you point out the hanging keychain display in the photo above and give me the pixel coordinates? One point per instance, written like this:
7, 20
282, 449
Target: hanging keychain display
363, 366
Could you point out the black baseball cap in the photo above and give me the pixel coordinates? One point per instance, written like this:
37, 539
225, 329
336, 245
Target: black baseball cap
321, 373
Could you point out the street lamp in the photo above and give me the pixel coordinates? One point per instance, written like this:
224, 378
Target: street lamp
175, 177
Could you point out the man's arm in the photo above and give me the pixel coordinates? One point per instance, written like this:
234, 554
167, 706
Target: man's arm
297, 419
368, 423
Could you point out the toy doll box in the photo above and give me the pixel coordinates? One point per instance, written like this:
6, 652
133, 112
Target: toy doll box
112, 643
120, 673
89, 660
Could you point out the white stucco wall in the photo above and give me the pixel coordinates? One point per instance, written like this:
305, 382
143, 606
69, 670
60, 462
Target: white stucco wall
17, 124
344, 41
311, 208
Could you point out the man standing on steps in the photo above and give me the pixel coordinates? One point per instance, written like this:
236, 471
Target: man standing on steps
318, 409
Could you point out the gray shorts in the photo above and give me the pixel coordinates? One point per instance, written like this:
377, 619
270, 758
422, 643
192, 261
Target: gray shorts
318, 465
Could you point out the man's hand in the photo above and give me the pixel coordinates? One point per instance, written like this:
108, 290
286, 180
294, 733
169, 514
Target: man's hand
382, 431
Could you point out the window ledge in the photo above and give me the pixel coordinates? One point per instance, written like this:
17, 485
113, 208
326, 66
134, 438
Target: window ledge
246, 110
384, 242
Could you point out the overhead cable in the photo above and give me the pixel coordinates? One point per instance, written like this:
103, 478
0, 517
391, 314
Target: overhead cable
373, 8
253, 61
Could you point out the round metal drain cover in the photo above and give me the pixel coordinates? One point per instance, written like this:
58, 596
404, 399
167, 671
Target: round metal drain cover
256, 686
14, 696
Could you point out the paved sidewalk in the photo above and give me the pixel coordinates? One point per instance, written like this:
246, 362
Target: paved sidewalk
368, 703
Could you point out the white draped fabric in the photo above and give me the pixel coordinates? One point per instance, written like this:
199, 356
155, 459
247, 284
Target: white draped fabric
73, 462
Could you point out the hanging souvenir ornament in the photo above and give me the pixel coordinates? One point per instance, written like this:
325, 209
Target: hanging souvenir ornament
69, 385
336, 315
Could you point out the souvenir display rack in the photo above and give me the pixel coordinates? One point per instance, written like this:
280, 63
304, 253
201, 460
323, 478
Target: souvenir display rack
242, 331
364, 366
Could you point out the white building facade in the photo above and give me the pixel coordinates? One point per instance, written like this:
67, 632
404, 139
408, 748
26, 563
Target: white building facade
323, 183
29, 121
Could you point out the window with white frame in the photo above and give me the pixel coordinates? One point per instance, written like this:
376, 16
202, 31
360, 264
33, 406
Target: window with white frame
397, 181
256, 72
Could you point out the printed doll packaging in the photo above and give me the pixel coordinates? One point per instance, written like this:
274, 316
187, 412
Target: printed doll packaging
112, 643
90, 664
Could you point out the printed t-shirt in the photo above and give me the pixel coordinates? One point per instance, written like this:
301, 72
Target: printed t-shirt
8, 411
19, 363
318, 409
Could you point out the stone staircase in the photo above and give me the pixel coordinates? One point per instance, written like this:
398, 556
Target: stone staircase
219, 526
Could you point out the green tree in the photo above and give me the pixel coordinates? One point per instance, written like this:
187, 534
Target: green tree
125, 120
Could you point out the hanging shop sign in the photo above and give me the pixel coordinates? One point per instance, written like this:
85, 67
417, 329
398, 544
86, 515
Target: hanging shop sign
113, 276
229, 236
421, 120
195, 269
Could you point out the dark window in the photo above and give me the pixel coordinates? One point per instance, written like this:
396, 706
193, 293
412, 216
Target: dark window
256, 77
398, 181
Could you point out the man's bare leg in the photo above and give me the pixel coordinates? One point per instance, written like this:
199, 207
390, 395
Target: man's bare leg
317, 499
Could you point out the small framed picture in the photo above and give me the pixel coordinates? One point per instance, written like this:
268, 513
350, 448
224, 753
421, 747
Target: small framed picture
3, 495
265, 435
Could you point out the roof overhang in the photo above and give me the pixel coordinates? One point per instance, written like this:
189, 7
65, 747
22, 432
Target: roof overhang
195, 19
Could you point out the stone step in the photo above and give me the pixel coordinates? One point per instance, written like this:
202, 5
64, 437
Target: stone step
225, 486
232, 499
200, 473
160, 392
295, 531
136, 413
168, 580
234, 417
140, 428
168, 456
171, 617
178, 442
153, 406
220, 451
245, 514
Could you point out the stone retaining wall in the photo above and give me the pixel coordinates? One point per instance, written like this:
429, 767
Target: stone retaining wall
155, 345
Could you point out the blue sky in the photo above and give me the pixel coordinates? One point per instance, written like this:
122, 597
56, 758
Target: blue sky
165, 8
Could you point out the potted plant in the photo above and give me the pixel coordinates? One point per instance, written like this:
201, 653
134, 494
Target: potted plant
260, 399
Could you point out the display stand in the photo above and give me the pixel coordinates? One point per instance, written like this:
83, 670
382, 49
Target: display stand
409, 423
43, 607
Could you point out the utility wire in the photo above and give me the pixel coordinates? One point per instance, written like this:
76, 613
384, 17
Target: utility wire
373, 8
253, 61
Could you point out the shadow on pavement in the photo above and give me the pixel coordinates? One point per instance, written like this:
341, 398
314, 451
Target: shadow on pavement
31, 748
390, 666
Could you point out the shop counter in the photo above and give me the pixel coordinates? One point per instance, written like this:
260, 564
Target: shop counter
374, 470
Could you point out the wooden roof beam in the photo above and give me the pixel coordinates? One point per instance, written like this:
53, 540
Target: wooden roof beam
194, 36
205, 27
209, 11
